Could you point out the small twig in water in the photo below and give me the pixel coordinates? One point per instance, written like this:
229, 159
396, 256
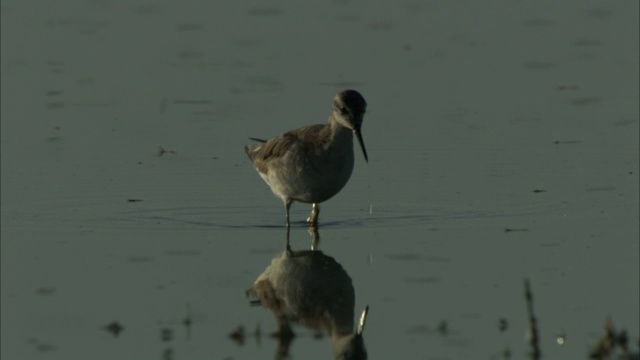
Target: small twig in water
532, 331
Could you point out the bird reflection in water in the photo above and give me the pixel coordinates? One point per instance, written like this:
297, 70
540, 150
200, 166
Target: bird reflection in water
310, 289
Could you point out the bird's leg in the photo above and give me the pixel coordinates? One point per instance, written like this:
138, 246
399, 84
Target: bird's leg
288, 247
315, 236
315, 211
287, 205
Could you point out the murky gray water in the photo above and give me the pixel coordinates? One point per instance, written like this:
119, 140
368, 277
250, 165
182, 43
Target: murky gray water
482, 117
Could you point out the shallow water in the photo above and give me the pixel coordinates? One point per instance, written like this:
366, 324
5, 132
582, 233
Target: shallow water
503, 145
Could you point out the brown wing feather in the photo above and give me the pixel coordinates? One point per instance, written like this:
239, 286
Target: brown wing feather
279, 145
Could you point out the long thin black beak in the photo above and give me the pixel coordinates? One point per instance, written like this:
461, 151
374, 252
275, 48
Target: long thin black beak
361, 142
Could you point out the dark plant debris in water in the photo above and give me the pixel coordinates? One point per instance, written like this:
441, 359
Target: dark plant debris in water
614, 344
44, 291
187, 322
41, 346
611, 343
238, 335
162, 151
514, 230
567, 142
166, 334
532, 331
167, 354
506, 353
503, 324
114, 328
443, 328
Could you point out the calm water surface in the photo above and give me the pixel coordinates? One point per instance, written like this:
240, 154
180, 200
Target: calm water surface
503, 145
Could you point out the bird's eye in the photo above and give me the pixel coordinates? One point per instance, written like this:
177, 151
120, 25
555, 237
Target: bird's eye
343, 109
